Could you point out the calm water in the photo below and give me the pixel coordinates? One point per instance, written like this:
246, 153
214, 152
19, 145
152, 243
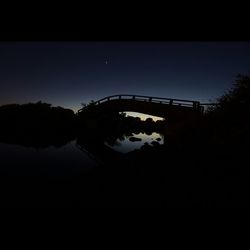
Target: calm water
126, 145
49, 177
62, 161
67, 176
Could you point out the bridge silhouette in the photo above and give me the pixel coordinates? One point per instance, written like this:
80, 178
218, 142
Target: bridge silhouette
157, 106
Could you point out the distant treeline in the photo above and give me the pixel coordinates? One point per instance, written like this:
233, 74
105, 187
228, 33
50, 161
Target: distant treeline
34, 116
36, 124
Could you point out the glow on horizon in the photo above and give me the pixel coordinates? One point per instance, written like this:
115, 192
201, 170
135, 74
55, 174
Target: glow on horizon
143, 116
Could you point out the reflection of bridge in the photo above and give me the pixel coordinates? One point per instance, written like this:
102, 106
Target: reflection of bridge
156, 106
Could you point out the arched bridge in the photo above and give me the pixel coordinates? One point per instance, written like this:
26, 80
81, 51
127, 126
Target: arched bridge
156, 106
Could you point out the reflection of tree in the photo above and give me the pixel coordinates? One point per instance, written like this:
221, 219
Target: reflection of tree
148, 132
122, 137
113, 126
129, 126
128, 134
122, 115
149, 120
113, 140
137, 132
113, 143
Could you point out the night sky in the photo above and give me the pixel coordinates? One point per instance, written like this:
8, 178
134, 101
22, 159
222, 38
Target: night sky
69, 73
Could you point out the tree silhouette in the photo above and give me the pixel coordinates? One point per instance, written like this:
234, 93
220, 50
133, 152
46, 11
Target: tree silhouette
236, 99
230, 118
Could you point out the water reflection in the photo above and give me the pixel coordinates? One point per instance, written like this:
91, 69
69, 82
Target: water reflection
54, 161
135, 141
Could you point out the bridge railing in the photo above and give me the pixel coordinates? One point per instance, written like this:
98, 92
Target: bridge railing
169, 101
206, 106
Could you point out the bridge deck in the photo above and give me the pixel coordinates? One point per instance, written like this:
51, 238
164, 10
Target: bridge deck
151, 105
157, 106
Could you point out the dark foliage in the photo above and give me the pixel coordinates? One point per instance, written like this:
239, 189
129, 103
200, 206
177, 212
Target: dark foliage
36, 124
230, 119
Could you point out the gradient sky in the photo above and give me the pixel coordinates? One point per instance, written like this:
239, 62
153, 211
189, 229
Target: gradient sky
68, 73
